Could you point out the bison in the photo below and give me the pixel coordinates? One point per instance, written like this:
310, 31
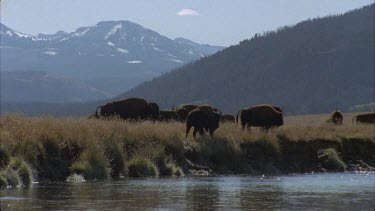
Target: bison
182, 114
336, 117
227, 118
189, 107
273, 106
264, 116
365, 118
131, 108
203, 118
168, 116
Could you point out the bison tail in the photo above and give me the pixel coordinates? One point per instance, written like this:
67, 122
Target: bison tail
96, 112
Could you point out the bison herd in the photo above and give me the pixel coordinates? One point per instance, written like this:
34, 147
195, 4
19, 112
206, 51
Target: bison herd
205, 117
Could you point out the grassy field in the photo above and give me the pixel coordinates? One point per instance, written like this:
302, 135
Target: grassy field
52, 149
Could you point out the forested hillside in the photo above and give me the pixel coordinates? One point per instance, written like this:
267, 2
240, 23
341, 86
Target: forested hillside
314, 66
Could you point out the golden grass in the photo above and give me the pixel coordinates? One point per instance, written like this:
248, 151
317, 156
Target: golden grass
35, 138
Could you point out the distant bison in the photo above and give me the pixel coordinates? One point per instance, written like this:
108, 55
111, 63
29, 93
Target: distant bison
182, 114
131, 108
168, 116
203, 118
365, 118
336, 117
264, 116
227, 118
189, 107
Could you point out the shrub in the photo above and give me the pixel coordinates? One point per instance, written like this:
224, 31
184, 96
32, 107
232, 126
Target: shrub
142, 167
92, 164
11, 177
3, 182
330, 160
4, 158
23, 170
115, 156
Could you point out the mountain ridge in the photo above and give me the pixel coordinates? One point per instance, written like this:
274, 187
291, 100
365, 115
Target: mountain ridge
111, 56
310, 67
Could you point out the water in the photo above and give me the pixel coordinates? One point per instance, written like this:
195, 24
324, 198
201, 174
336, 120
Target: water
348, 191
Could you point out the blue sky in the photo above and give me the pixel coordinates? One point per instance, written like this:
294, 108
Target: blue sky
219, 22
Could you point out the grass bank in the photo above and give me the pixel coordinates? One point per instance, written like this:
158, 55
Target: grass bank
54, 148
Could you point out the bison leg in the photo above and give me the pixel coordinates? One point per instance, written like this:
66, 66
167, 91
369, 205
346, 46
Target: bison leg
195, 133
201, 131
212, 133
249, 127
187, 130
243, 124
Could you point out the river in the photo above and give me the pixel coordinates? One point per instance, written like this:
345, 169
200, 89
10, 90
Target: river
330, 191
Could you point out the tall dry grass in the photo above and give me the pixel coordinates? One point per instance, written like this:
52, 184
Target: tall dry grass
58, 147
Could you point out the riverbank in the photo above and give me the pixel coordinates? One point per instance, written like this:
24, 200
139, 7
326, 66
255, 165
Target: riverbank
52, 149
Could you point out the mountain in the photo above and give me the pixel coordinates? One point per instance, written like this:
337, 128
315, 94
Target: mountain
111, 56
205, 48
52, 36
312, 67
36, 86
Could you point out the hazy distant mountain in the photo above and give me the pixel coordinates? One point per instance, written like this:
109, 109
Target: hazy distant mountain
52, 36
205, 48
112, 56
34, 86
315, 66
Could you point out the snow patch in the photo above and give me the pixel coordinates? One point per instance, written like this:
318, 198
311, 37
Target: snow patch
22, 35
50, 53
171, 55
64, 39
134, 62
113, 30
80, 34
157, 49
121, 50
175, 60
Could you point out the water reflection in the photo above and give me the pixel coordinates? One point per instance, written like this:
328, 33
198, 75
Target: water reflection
202, 196
299, 192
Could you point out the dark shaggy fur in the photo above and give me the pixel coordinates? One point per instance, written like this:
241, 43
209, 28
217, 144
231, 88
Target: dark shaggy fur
203, 118
265, 116
365, 118
131, 108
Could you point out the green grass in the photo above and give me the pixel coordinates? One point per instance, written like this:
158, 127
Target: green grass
142, 167
99, 149
331, 160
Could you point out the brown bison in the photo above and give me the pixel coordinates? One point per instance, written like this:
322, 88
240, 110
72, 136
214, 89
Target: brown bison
336, 117
168, 116
131, 108
182, 114
203, 118
227, 118
191, 107
273, 106
365, 118
264, 116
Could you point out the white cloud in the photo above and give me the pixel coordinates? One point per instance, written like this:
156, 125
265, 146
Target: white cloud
186, 12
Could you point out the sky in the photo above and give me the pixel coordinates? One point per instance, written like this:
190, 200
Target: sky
216, 22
